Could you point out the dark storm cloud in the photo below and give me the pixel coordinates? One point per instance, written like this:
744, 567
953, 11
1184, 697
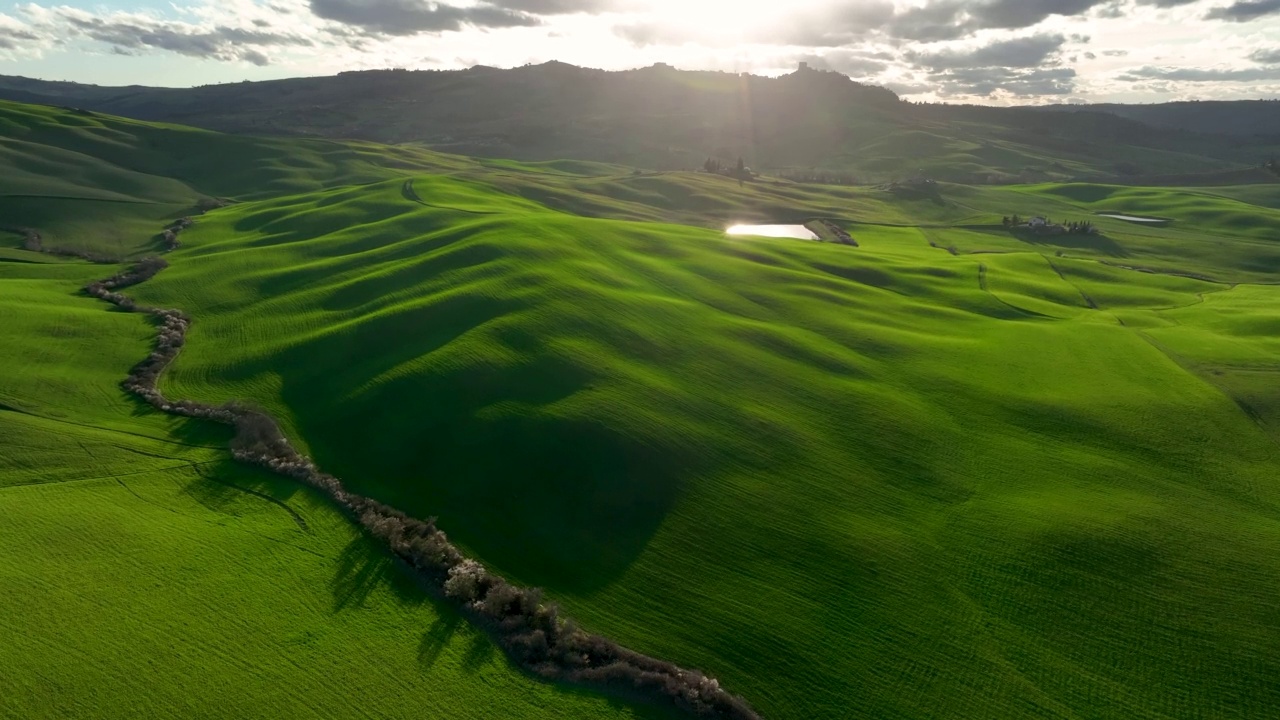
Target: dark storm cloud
1022, 66
952, 19
841, 24
13, 38
1245, 10
1202, 74
1266, 57
218, 43
854, 65
410, 17
1026, 52
938, 21
826, 27
1023, 83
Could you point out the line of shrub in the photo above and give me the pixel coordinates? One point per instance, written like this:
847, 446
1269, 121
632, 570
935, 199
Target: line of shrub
529, 630
33, 241
840, 235
170, 233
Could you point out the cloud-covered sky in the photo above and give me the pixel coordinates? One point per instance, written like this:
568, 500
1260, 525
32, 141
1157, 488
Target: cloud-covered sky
987, 51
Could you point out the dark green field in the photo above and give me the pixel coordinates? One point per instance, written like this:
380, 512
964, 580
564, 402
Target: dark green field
951, 472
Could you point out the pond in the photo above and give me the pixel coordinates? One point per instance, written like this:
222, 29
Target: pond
1136, 219
799, 232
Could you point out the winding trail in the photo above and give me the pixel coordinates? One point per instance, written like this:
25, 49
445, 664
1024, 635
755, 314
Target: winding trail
530, 631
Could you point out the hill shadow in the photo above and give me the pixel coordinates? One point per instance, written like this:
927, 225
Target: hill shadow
1096, 243
567, 501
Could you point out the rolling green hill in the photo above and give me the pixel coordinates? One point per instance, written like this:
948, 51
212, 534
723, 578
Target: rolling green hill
109, 184
947, 473
822, 473
145, 575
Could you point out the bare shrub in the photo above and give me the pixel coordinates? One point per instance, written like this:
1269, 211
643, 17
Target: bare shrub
466, 580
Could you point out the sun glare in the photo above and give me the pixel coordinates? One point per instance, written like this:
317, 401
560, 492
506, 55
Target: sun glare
722, 18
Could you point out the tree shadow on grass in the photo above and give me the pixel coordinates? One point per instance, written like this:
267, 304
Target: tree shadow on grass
363, 569
231, 488
438, 637
479, 654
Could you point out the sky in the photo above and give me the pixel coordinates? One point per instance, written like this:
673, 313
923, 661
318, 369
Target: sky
995, 52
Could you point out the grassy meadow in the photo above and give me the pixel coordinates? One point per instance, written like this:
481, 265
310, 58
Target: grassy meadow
146, 575
947, 473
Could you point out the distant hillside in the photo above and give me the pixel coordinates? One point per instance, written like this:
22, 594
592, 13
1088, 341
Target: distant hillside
663, 118
1236, 117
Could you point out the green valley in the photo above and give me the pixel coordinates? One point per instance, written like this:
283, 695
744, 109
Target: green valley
955, 471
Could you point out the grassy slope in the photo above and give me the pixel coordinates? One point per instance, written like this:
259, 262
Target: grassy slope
146, 576
882, 482
142, 175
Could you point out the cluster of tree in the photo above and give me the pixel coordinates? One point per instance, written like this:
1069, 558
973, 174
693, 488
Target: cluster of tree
1048, 227
820, 177
739, 172
529, 630
108, 289
840, 234
170, 233
950, 248
32, 240
205, 204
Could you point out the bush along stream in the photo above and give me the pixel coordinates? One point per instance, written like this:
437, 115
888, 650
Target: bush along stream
530, 630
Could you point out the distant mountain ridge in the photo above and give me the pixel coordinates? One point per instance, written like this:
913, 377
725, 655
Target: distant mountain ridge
1227, 117
662, 118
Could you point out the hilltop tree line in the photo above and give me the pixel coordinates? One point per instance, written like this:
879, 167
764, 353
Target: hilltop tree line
739, 172
821, 177
1048, 227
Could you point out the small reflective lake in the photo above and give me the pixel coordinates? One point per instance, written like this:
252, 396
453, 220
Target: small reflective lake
1134, 218
799, 232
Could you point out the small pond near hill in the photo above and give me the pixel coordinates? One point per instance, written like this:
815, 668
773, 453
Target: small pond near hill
1135, 219
799, 232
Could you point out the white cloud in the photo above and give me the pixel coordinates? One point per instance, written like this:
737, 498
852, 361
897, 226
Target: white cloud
20, 39
980, 50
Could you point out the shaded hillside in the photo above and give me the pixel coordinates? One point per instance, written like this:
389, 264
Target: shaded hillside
1228, 117
663, 118
108, 185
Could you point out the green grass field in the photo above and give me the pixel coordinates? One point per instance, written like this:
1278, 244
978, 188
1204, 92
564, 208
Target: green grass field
894, 481
145, 575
